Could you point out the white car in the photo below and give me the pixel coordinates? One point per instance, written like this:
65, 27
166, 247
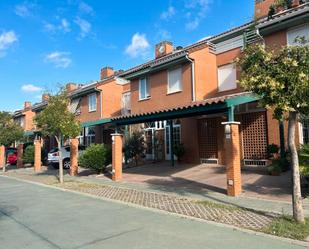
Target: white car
53, 156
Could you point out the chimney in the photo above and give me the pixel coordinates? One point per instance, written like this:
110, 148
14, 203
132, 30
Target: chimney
261, 8
71, 87
106, 72
163, 48
27, 104
45, 97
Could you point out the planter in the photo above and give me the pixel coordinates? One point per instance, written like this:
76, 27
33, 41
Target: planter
280, 9
295, 3
275, 173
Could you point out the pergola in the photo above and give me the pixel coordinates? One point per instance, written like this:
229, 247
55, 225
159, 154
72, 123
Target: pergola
225, 104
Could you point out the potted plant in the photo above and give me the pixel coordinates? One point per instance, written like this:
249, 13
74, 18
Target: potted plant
179, 151
295, 3
275, 168
272, 150
280, 5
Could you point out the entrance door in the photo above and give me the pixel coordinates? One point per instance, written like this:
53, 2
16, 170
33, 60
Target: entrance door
149, 139
177, 139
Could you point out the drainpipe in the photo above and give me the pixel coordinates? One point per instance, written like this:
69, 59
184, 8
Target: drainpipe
101, 104
192, 77
172, 143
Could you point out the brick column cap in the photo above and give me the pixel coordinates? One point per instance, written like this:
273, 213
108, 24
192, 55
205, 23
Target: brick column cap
116, 134
231, 123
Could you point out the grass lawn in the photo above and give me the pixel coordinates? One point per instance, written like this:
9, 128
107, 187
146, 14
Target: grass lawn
286, 227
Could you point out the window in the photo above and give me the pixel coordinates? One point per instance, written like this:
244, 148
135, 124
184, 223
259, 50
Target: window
227, 77
90, 135
144, 92
174, 80
126, 103
298, 32
92, 102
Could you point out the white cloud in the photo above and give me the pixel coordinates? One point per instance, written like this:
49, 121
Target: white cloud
169, 13
6, 40
59, 59
139, 46
22, 10
199, 8
163, 34
30, 88
84, 26
86, 8
63, 26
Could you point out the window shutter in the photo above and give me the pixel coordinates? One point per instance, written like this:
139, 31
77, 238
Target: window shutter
174, 80
227, 77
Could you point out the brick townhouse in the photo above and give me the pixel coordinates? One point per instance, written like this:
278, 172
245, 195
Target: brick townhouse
93, 105
185, 94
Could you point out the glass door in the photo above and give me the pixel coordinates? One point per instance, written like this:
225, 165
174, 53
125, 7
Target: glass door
177, 139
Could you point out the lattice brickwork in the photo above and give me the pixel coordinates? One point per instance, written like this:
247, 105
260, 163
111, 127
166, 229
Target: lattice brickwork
208, 138
254, 135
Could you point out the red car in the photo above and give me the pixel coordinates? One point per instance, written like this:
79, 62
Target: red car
12, 158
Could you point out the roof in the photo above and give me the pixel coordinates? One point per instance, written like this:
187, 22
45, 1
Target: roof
39, 106
211, 105
156, 62
261, 23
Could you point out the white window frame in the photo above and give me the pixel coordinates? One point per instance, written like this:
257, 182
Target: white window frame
222, 87
291, 34
92, 108
169, 91
147, 89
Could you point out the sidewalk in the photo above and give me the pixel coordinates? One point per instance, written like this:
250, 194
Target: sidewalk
210, 211
49, 176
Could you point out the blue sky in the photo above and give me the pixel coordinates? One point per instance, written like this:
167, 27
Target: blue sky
46, 43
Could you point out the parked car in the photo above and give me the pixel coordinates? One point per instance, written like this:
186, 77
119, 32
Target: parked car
53, 156
11, 155
12, 158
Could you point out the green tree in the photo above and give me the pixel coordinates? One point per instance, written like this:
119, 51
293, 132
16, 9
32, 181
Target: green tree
281, 79
10, 131
56, 120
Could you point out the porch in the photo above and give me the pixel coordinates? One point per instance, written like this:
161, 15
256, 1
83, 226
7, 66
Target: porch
209, 132
204, 179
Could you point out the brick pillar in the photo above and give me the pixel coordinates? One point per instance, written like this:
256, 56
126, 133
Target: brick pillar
20, 152
232, 158
117, 157
74, 157
2, 156
37, 155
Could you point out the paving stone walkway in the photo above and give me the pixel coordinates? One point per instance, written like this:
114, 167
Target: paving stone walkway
171, 203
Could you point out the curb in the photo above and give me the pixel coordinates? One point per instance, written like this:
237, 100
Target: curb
291, 241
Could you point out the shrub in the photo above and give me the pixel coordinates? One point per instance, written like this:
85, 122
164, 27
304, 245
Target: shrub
179, 151
134, 146
275, 167
96, 157
28, 156
304, 160
272, 149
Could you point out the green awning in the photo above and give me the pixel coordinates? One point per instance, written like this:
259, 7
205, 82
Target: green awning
96, 122
28, 133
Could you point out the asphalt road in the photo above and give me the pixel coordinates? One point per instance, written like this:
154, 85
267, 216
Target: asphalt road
37, 217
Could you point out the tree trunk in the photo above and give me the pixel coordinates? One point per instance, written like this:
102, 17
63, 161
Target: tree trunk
60, 159
298, 212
